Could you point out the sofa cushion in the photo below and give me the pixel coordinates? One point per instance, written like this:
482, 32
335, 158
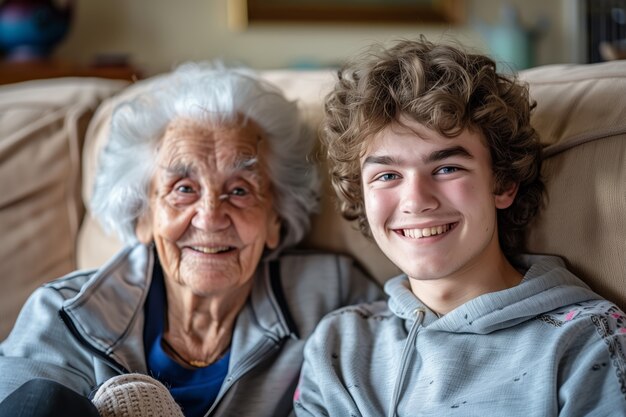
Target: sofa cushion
581, 116
42, 126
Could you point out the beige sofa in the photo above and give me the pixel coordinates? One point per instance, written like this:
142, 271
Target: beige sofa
51, 130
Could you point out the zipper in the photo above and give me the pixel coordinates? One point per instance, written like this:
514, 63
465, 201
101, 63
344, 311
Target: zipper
258, 354
79, 337
409, 347
271, 342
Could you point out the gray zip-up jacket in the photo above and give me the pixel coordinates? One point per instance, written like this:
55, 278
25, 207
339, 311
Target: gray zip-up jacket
88, 327
546, 347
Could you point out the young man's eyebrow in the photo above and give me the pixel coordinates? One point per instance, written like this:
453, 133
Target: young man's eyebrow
446, 153
378, 160
435, 156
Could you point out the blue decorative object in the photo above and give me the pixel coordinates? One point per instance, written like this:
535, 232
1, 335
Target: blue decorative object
510, 43
30, 29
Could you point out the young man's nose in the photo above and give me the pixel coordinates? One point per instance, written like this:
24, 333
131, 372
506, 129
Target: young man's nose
418, 195
210, 213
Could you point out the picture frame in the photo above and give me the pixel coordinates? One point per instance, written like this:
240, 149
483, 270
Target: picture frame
247, 12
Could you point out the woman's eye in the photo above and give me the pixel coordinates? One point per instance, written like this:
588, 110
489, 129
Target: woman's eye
239, 192
186, 189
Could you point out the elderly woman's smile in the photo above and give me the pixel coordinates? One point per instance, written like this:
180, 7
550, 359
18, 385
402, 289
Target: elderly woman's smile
212, 250
217, 252
211, 212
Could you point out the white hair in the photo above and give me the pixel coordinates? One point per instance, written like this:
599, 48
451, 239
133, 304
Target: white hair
206, 93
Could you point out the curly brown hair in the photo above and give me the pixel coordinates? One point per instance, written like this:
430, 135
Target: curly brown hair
447, 90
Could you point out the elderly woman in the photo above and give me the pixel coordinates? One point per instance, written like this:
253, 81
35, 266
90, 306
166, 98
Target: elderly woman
205, 177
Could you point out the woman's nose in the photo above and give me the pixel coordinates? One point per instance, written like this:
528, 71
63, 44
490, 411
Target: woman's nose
418, 195
211, 213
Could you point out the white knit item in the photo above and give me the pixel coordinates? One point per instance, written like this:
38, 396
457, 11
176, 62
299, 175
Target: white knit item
135, 395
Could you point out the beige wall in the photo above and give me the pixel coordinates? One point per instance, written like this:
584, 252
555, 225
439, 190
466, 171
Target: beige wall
158, 34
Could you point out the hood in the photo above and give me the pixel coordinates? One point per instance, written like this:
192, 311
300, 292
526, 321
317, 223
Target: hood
547, 285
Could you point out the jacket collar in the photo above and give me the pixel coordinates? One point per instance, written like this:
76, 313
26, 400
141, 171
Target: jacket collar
268, 301
107, 313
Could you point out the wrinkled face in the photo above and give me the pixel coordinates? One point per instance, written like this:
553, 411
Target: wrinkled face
429, 200
211, 212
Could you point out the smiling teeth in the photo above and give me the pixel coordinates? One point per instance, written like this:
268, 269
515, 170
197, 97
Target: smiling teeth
426, 232
217, 249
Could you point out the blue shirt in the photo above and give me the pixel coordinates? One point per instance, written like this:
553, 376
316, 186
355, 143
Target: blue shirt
194, 390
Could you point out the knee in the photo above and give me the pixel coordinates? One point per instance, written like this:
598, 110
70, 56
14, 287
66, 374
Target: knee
41, 385
43, 397
52, 392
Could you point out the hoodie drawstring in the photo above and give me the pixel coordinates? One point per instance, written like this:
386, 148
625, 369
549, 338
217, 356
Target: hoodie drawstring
409, 347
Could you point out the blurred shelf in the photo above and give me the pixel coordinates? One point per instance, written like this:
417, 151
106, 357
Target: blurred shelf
13, 72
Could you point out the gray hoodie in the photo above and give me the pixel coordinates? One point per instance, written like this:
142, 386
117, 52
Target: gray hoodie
546, 347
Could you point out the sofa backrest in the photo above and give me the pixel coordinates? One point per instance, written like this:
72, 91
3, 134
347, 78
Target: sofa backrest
42, 128
581, 117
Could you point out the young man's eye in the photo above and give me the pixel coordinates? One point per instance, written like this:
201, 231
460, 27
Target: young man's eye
387, 177
447, 170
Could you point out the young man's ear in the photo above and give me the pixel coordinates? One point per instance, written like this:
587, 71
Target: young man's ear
143, 228
505, 198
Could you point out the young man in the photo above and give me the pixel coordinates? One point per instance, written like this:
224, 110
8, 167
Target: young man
432, 152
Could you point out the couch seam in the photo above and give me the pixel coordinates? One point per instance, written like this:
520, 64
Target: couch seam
581, 139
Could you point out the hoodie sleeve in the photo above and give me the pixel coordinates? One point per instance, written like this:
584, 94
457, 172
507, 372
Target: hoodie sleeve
594, 382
